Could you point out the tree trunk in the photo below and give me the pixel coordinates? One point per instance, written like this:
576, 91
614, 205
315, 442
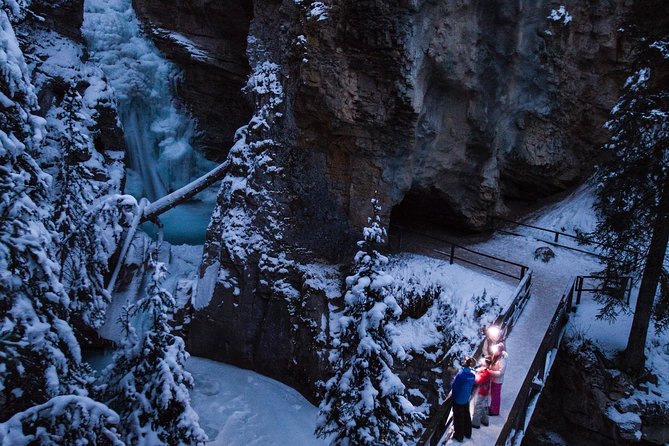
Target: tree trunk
185, 193
634, 358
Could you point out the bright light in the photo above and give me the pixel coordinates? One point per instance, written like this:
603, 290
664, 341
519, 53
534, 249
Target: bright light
494, 333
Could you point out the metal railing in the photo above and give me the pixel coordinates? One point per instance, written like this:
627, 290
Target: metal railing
441, 422
521, 412
453, 252
625, 289
556, 234
582, 240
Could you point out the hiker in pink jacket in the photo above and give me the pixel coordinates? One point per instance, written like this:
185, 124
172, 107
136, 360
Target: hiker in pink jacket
497, 369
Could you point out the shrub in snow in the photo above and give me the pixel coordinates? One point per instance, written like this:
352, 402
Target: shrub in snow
486, 308
147, 383
544, 253
364, 401
443, 319
39, 355
63, 420
415, 302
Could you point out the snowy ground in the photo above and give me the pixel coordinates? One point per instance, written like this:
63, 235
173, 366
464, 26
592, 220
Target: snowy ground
239, 407
458, 288
182, 263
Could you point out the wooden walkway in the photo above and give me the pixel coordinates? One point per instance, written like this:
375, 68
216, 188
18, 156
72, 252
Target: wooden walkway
530, 342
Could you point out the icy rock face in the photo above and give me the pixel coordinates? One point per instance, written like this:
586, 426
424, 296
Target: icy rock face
207, 39
159, 134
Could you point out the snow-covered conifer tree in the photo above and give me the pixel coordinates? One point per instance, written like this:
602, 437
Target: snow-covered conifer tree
88, 215
39, 355
364, 401
147, 383
633, 191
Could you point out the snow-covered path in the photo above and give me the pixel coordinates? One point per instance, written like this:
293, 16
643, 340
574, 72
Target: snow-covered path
549, 281
522, 346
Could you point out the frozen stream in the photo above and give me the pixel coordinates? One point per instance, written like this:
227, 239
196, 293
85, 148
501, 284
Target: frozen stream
159, 136
240, 407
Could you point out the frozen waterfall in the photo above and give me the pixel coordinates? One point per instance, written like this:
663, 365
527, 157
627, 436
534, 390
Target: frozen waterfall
159, 135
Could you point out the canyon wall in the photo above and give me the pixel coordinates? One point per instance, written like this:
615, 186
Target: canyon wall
588, 402
59, 59
446, 111
455, 106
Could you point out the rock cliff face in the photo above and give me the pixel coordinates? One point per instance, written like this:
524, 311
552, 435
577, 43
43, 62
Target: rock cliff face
61, 16
445, 110
59, 59
449, 108
587, 402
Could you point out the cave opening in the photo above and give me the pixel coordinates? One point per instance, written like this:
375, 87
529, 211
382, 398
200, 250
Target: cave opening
424, 209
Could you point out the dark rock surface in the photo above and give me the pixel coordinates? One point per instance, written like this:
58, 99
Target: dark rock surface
62, 16
207, 39
583, 390
455, 106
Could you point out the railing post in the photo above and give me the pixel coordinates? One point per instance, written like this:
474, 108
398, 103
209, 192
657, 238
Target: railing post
523, 270
452, 253
557, 235
579, 287
570, 297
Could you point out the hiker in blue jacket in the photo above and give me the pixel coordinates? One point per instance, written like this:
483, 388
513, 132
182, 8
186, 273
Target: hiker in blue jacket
461, 392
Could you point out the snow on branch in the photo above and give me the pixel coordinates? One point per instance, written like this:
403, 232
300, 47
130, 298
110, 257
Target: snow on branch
65, 419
